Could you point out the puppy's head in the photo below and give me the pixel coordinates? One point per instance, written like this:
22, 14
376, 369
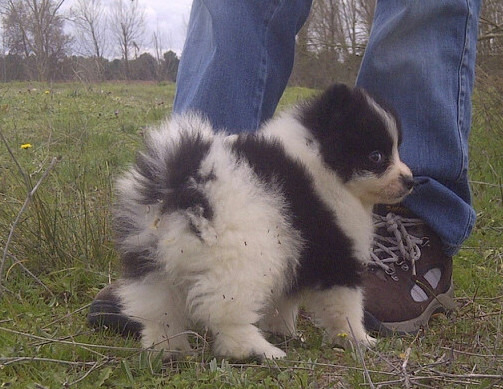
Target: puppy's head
358, 139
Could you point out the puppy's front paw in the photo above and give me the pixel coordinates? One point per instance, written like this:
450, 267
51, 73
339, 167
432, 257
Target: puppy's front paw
368, 341
272, 353
346, 340
242, 342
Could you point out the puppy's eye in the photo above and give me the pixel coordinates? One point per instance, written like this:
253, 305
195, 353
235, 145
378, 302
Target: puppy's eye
376, 157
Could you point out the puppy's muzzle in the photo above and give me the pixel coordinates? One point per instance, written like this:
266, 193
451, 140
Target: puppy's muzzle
407, 181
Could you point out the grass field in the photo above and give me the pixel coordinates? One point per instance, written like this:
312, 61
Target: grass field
76, 138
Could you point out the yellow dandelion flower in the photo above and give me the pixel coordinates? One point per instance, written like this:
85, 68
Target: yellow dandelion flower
26, 146
47, 92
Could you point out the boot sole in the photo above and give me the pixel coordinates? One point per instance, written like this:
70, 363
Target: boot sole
443, 303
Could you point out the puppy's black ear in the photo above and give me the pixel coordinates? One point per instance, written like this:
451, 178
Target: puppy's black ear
328, 108
337, 95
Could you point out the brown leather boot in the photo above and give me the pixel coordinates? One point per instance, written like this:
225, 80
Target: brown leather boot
105, 313
409, 278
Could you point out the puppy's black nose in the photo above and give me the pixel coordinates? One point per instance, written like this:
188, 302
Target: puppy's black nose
407, 181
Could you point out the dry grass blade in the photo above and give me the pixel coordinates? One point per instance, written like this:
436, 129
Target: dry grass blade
29, 197
360, 356
29, 272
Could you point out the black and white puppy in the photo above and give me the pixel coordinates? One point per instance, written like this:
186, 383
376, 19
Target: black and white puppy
232, 232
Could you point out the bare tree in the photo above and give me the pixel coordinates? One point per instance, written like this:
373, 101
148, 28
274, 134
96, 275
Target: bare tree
128, 27
332, 42
90, 20
491, 28
2, 54
34, 29
158, 42
339, 27
366, 10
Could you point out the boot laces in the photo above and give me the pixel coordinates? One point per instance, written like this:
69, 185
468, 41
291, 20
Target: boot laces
398, 247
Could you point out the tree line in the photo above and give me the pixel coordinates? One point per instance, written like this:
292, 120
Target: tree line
329, 47
145, 67
331, 44
37, 47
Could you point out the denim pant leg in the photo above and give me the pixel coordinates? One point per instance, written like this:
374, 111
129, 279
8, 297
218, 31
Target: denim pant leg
237, 59
421, 59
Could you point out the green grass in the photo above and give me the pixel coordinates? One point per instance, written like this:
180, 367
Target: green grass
62, 254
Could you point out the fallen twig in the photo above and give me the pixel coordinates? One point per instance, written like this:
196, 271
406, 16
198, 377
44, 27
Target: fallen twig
95, 366
66, 316
470, 375
4, 361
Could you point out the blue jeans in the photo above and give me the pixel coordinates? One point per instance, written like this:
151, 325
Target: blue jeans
420, 58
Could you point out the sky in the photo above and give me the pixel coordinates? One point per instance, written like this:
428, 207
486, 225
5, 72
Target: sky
172, 17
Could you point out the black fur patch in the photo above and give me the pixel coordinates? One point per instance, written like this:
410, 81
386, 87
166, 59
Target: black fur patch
134, 264
327, 259
139, 264
174, 183
348, 130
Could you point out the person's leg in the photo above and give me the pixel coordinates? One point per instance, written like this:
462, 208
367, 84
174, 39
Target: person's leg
237, 59
421, 59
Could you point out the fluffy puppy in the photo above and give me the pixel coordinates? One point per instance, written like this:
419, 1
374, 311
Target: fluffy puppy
232, 232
